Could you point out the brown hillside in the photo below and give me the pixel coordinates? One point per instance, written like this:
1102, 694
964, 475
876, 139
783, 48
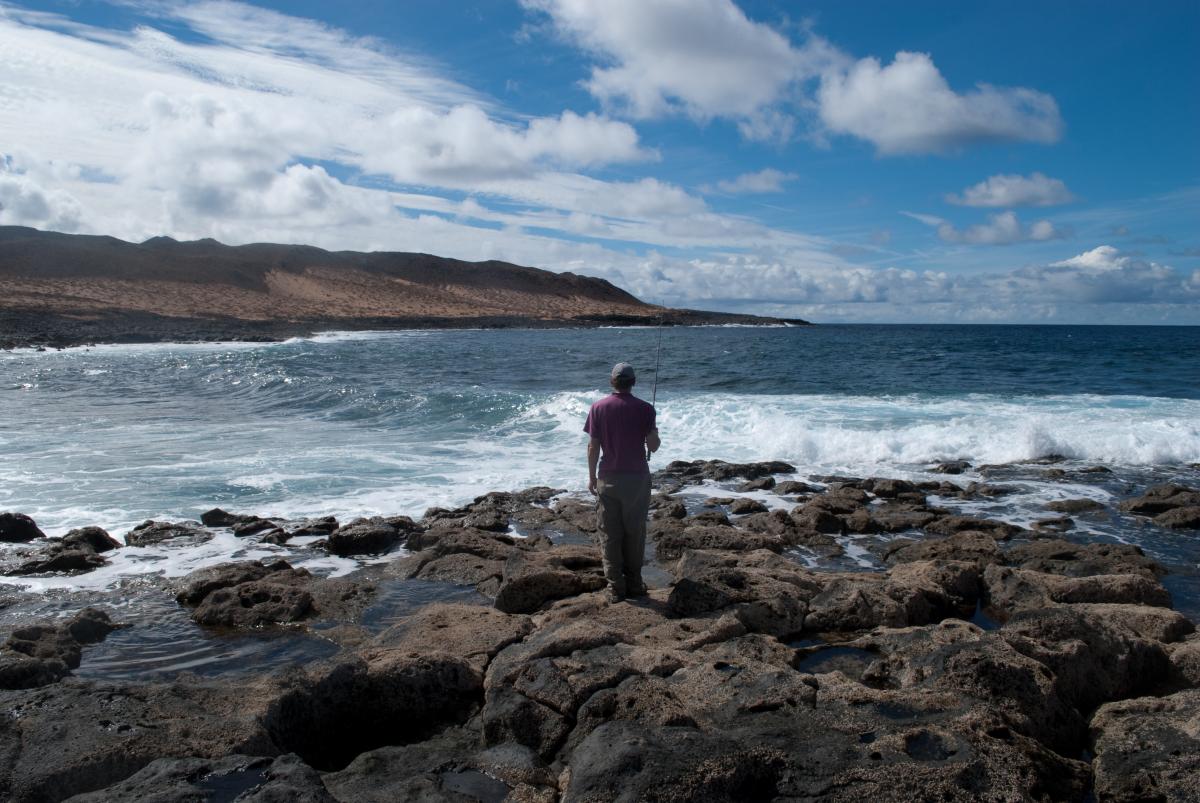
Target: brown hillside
87, 275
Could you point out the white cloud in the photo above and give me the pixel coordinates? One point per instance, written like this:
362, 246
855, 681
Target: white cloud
706, 58
24, 202
1000, 229
1101, 258
1011, 190
908, 107
764, 181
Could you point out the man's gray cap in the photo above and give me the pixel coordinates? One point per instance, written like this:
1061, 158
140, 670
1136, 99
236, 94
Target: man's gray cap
623, 370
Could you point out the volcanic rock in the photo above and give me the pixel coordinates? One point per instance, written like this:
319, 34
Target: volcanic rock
532, 578
951, 467
149, 533
95, 538
253, 604
223, 518
471, 632
1083, 560
1180, 518
39, 654
743, 506
363, 538
17, 528
167, 780
1146, 749
1074, 506
1161, 498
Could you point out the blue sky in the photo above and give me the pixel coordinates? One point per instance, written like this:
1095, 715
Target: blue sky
838, 161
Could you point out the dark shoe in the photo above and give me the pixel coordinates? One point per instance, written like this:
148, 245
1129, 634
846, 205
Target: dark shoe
611, 596
638, 590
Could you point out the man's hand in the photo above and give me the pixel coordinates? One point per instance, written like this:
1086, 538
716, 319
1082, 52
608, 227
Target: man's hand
592, 485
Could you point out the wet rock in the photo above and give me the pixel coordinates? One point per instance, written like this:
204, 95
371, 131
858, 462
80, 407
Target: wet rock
1180, 518
985, 490
365, 538
471, 632
1058, 524
951, 467
978, 548
948, 525
1010, 590
1083, 560
1161, 498
671, 510
861, 521
277, 537
95, 538
462, 568
58, 558
793, 487
194, 587
836, 503
761, 484
18, 528
817, 519
39, 654
182, 780
894, 518
255, 526
223, 518
254, 604
709, 517
1074, 506
669, 546
149, 533
700, 470
1146, 749
743, 506
890, 488
717, 501
324, 525
20, 671
532, 578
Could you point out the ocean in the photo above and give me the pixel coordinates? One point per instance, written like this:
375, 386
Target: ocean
359, 424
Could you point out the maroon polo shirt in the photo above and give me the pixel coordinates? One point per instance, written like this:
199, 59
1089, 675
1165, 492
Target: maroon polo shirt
621, 422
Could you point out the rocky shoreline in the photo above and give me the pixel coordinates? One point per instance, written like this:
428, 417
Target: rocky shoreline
42, 330
986, 662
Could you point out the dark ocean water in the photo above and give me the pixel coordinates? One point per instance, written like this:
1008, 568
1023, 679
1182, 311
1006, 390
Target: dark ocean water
384, 423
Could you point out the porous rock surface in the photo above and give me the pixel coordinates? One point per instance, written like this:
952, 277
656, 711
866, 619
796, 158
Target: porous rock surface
747, 676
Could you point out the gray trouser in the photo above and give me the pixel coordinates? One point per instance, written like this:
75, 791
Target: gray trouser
624, 500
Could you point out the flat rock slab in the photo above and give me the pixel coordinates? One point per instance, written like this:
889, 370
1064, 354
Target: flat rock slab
1148, 748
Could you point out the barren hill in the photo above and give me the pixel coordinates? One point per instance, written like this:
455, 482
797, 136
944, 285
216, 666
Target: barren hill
184, 290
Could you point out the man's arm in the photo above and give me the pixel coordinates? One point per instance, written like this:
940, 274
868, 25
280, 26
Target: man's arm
653, 442
593, 460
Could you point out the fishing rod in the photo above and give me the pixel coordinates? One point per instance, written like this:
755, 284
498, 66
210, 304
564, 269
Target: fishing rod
658, 357
657, 365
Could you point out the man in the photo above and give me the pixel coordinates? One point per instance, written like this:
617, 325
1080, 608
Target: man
623, 436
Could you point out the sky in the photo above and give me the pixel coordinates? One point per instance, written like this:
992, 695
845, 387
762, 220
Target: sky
866, 161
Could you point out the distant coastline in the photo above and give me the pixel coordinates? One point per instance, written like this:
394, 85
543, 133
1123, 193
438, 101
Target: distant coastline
62, 290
